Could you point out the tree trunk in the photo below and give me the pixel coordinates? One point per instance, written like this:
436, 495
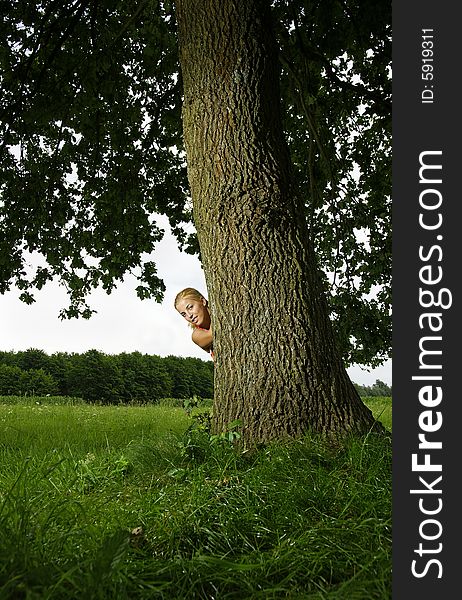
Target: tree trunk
277, 367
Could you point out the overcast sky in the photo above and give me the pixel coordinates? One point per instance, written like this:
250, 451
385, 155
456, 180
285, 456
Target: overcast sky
123, 323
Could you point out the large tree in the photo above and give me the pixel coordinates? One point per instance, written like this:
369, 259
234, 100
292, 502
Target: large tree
278, 369
92, 148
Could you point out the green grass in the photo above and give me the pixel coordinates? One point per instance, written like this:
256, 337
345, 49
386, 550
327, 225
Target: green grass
381, 409
135, 503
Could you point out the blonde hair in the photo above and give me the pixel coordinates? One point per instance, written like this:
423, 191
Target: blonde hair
188, 293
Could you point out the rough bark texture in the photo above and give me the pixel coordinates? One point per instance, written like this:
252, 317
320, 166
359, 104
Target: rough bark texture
277, 368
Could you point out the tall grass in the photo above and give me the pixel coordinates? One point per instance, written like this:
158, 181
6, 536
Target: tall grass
141, 503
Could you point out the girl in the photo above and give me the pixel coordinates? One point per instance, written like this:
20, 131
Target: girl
193, 307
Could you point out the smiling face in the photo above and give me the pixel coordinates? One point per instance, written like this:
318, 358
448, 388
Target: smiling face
195, 311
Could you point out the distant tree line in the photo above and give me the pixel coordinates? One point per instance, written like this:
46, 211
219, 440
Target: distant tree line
98, 377
379, 388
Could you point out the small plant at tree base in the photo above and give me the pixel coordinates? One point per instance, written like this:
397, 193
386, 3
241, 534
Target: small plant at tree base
202, 421
230, 435
190, 403
198, 440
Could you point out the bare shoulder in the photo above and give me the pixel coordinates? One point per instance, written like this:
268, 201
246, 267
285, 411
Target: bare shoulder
203, 338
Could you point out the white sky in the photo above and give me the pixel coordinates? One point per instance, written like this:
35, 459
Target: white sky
123, 323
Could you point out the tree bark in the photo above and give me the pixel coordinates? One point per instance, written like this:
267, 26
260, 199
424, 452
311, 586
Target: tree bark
277, 368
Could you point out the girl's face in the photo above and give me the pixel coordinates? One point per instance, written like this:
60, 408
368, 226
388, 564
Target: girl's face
194, 311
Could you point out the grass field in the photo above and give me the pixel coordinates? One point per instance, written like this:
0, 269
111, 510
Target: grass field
109, 502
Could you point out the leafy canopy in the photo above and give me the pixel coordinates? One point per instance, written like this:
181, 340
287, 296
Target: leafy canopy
91, 148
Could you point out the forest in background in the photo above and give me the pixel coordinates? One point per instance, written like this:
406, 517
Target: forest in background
106, 378
116, 378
